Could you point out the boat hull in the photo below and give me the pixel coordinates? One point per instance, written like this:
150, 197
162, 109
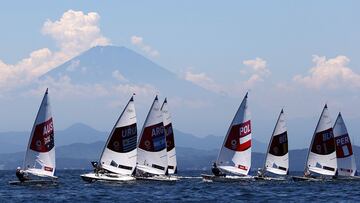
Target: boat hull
228, 178
158, 178
266, 178
109, 177
34, 182
303, 178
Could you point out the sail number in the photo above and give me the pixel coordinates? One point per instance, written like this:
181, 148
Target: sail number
158, 131
129, 132
245, 128
327, 136
342, 141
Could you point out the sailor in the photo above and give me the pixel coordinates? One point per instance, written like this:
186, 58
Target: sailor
21, 175
96, 166
216, 171
260, 172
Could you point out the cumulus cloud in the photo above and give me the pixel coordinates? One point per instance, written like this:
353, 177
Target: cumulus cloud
74, 33
65, 88
118, 76
202, 80
139, 42
330, 73
258, 69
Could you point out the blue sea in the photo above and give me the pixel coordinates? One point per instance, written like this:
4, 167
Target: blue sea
191, 188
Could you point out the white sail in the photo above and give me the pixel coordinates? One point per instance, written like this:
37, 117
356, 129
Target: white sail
119, 154
277, 157
235, 153
345, 158
40, 154
322, 155
152, 154
170, 141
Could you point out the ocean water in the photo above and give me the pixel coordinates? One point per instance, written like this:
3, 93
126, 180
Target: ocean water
191, 188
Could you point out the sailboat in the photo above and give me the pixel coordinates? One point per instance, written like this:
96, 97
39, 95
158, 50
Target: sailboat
321, 158
235, 154
39, 163
346, 165
170, 141
118, 158
277, 156
152, 160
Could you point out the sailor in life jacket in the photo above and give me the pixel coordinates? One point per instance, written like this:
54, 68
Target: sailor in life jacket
21, 175
216, 171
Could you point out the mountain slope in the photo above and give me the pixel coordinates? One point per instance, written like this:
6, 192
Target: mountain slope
81, 133
78, 156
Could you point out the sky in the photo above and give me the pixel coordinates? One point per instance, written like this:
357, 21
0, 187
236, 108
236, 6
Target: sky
293, 54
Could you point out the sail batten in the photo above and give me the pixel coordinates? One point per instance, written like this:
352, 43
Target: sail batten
322, 155
152, 151
277, 157
235, 153
40, 154
346, 165
119, 153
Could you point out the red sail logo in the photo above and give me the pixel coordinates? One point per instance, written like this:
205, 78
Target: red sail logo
239, 137
43, 138
153, 138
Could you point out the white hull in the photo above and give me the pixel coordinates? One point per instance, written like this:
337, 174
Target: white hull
347, 178
158, 178
228, 178
111, 177
35, 182
266, 178
303, 178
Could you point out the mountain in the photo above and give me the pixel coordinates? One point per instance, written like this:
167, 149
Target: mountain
78, 156
210, 142
82, 133
77, 133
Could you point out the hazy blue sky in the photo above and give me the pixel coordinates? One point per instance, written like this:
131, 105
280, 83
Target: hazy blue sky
292, 54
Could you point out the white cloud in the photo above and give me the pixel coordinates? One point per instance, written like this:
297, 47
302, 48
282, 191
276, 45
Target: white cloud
259, 71
139, 42
204, 81
258, 65
330, 73
74, 33
64, 87
118, 76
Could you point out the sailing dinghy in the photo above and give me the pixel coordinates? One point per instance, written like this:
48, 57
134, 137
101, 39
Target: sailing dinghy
39, 162
170, 141
346, 165
235, 154
321, 158
152, 160
277, 156
118, 158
